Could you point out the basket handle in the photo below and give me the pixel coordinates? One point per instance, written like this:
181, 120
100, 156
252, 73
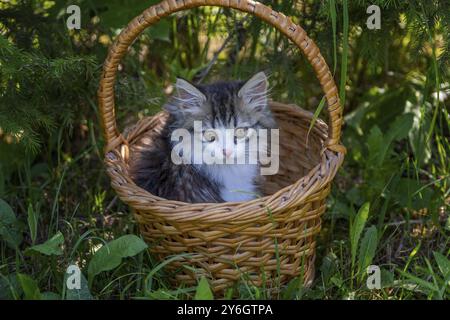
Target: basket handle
278, 20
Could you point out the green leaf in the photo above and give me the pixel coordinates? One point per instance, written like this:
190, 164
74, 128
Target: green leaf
110, 255
379, 144
10, 288
355, 196
337, 281
149, 277
316, 115
417, 134
425, 286
344, 58
333, 15
387, 278
401, 127
160, 294
120, 12
443, 264
413, 194
367, 249
32, 222
203, 290
328, 267
375, 143
292, 288
2, 182
9, 226
29, 286
50, 296
357, 227
50, 247
6, 211
78, 294
160, 31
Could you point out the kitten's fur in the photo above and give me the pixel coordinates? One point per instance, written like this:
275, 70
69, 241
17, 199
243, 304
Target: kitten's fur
222, 105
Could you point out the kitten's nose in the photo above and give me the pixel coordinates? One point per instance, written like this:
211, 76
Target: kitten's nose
226, 152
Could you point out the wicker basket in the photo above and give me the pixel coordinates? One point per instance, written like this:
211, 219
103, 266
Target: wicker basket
267, 241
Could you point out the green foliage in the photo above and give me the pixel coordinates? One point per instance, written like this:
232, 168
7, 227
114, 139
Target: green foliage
443, 264
344, 62
32, 222
9, 287
37, 93
203, 290
79, 294
368, 248
10, 229
440, 286
116, 14
357, 227
30, 287
111, 254
50, 247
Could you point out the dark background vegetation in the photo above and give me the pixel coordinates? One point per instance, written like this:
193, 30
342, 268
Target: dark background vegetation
390, 202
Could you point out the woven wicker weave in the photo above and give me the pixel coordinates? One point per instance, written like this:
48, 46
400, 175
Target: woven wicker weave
267, 241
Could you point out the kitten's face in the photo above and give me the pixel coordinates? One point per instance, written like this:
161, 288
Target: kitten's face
227, 142
230, 113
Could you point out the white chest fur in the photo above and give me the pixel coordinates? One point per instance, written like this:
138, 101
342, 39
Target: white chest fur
237, 181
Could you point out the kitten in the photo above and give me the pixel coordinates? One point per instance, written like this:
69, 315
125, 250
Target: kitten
239, 106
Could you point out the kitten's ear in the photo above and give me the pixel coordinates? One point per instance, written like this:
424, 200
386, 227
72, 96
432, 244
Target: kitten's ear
254, 92
188, 96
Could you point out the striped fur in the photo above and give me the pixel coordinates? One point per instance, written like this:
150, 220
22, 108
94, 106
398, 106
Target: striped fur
219, 106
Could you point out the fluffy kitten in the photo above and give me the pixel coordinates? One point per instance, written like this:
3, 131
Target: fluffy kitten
240, 106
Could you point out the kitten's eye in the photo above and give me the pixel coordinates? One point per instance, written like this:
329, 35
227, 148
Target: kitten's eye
240, 133
209, 136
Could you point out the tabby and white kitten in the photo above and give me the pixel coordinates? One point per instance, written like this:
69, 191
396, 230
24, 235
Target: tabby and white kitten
236, 105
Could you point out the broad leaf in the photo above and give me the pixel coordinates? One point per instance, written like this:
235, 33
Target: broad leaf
160, 31
10, 288
413, 194
9, 226
418, 133
203, 290
117, 14
2, 182
400, 128
379, 144
328, 267
29, 286
50, 296
357, 227
375, 142
367, 249
443, 264
424, 286
50, 247
292, 288
387, 278
32, 222
78, 294
110, 255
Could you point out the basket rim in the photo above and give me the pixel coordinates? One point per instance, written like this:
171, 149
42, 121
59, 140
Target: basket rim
230, 212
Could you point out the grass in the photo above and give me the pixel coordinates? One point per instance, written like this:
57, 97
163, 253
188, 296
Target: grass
93, 217
344, 62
